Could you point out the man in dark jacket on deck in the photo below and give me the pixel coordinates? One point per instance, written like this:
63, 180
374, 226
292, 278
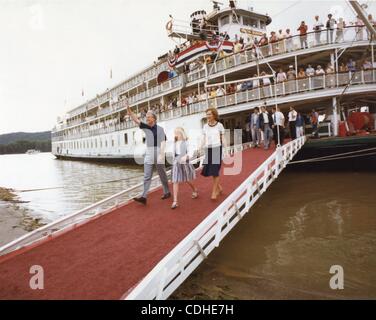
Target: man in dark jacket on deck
266, 124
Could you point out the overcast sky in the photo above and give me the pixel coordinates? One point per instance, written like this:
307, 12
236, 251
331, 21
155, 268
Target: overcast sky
52, 49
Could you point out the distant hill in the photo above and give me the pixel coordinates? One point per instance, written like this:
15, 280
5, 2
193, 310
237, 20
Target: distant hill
24, 136
20, 142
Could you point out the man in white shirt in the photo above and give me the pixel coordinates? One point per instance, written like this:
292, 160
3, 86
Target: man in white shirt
266, 85
330, 24
317, 27
220, 92
281, 37
310, 72
320, 71
192, 66
289, 41
278, 126
256, 82
292, 122
281, 76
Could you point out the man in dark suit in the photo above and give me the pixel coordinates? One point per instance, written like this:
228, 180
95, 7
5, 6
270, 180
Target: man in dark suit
266, 123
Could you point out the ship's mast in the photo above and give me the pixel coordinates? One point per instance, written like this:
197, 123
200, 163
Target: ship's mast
362, 15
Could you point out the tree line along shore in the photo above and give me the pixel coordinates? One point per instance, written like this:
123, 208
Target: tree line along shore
20, 142
22, 146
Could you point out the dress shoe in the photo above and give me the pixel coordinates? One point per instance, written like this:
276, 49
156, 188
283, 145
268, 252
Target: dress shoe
140, 200
166, 196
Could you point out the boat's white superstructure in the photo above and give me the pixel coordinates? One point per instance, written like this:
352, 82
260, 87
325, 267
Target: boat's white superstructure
177, 85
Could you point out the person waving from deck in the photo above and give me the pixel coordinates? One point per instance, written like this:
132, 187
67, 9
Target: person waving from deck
213, 141
155, 153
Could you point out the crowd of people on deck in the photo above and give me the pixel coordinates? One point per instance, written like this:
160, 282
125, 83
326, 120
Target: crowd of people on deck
263, 126
263, 81
334, 31
283, 75
331, 31
282, 41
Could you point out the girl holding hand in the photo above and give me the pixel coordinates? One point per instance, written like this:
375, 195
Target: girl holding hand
182, 169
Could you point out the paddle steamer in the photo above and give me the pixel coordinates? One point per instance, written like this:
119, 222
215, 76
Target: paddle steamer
219, 49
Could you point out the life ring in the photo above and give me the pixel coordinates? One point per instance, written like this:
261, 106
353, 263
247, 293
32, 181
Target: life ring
169, 26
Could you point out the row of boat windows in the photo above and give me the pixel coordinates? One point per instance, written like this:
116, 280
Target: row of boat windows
246, 21
97, 143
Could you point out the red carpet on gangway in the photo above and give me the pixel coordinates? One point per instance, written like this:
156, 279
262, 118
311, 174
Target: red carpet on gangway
105, 257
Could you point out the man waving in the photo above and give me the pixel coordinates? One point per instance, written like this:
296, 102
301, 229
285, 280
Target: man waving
155, 153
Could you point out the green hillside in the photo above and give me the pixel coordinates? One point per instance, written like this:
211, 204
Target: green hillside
20, 142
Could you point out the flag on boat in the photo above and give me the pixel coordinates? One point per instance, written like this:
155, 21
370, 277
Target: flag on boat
175, 60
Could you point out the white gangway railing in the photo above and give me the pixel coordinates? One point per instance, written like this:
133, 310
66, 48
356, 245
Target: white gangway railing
86, 214
174, 268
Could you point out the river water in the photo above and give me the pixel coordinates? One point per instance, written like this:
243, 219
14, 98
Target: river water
78, 184
304, 224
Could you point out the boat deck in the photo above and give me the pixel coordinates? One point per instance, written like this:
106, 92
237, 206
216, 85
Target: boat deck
106, 257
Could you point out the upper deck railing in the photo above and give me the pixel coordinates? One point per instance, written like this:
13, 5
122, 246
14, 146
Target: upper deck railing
120, 89
283, 89
346, 36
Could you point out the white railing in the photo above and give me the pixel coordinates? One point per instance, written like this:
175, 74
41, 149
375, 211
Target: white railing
173, 83
196, 74
287, 88
81, 216
172, 270
346, 36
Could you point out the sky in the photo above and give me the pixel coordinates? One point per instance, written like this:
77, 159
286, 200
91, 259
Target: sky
53, 49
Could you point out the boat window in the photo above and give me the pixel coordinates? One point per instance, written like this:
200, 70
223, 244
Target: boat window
225, 20
250, 22
262, 25
125, 138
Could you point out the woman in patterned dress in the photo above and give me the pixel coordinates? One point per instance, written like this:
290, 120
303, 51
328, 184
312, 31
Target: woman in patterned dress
182, 169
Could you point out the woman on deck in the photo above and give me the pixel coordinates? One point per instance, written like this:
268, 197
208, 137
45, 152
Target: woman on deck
182, 170
213, 141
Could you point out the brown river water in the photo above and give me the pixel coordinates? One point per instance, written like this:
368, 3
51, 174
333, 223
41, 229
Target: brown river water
283, 249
